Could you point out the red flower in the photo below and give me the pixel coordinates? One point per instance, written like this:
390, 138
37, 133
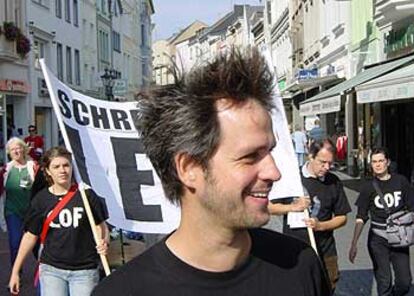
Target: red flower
22, 45
10, 31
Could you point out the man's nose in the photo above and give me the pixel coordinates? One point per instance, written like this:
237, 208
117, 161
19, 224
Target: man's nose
270, 170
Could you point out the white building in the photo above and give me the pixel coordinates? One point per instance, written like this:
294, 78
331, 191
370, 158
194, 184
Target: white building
91, 82
14, 73
124, 44
233, 29
78, 39
277, 33
50, 23
176, 51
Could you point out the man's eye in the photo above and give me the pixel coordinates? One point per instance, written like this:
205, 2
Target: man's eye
251, 157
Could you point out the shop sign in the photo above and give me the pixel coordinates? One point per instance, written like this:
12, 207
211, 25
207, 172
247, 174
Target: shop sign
305, 74
323, 106
386, 93
398, 40
18, 86
120, 87
282, 84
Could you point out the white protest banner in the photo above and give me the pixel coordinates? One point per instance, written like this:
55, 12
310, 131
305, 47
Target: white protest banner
290, 183
110, 158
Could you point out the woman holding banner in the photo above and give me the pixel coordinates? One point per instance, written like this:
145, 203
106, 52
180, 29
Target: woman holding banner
69, 257
15, 185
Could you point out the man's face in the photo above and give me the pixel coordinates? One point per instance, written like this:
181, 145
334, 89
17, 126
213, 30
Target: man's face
32, 131
379, 164
320, 164
234, 192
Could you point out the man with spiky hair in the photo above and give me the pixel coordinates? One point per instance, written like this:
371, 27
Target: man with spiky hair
210, 139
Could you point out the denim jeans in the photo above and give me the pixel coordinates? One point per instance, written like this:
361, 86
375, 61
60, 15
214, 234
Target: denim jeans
301, 158
61, 282
15, 233
383, 256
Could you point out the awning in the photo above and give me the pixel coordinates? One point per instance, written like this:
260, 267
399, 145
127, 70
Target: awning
396, 85
327, 101
303, 84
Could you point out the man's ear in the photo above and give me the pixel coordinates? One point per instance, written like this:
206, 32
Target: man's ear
188, 170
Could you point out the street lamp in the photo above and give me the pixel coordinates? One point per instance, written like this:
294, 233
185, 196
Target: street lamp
108, 80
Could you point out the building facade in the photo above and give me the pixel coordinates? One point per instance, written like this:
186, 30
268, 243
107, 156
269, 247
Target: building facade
14, 72
102, 36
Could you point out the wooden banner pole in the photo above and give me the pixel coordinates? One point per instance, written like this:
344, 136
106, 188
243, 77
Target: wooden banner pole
310, 233
91, 220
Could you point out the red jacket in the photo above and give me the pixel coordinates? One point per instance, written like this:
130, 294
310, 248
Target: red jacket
35, 144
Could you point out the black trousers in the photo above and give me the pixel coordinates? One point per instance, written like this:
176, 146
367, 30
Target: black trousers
383, 256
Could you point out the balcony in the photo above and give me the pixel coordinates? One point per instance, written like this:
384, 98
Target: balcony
391, 11
7, 50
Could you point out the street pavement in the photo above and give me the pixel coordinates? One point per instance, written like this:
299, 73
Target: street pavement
355, 279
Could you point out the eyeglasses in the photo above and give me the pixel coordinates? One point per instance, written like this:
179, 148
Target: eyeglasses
32, 130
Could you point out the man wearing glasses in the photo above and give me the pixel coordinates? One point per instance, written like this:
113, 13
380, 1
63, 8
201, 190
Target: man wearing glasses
328, 205
35, 143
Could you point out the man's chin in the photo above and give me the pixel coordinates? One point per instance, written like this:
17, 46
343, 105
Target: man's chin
260, 221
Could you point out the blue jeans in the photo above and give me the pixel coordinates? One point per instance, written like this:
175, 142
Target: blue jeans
61, 282
15, 233
301, 158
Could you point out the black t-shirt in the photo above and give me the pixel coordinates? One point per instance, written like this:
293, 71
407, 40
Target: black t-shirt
69, 242
277, 265
328, 199
398, 193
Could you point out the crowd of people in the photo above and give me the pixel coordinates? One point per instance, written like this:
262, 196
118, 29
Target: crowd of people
302, 140
209, 138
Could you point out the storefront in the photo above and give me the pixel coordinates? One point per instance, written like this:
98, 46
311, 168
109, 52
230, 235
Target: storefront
388, 102
337, 106
12, 99
307, 84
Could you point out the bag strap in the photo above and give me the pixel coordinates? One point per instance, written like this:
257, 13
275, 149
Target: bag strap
381, 195
56, 210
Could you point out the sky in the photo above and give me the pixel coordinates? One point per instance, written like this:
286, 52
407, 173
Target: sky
173, 15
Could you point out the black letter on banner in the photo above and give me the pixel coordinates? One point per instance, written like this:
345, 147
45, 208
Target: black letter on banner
100, 116
119, 116
76, 105
131, 179
77, 149
64, 108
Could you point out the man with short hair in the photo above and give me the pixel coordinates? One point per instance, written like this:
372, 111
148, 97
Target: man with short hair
210, 139
317, 133
35, 143
300, 143
329, 205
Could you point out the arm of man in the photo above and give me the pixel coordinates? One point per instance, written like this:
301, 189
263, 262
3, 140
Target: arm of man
297, 205
359, 226
331, 224
26, 246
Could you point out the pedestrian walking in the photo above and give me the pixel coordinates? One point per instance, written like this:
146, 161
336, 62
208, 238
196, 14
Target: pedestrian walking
16, 179
69, 258
210, 141
399, 195
300, 143
317, 133
329, 205
35, 143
